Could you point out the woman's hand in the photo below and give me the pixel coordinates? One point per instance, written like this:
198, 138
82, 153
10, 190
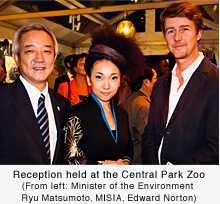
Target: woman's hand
112, 162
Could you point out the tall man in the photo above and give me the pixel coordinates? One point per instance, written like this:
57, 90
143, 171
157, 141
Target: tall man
183, 125
26, 135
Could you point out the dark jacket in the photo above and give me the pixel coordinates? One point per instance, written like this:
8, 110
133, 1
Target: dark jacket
192, 134
60, 80
20, 137
97, 142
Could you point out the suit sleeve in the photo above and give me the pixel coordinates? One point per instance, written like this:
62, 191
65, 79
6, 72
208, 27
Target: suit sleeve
209, 153
149, 138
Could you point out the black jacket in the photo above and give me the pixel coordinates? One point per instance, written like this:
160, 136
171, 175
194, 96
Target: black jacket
20, 137
97, 142
60, 80
192, 134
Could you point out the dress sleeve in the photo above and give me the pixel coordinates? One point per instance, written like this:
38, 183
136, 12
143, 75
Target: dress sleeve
63, 89
74, 155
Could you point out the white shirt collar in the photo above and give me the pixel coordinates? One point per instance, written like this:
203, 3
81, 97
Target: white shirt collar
191, 69
69, 75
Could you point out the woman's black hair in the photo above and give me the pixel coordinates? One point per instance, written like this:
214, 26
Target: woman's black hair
74, 63
127, 48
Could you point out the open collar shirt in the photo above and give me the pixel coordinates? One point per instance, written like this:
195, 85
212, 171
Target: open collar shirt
175, 94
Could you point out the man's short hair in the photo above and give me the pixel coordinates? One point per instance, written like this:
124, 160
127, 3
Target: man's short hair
148, 74
30, 27
183, 9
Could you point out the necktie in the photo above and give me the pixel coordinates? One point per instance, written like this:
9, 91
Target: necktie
42, 118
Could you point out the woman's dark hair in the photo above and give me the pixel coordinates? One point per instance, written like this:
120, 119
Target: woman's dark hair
69, 60
123, 52
74, 62
148, 74
94, 56
183, 9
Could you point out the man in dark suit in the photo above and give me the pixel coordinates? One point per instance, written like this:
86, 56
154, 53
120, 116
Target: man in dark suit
22, 140
66, 77
183, 123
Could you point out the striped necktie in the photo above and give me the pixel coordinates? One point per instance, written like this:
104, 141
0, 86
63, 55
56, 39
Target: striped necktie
42, 118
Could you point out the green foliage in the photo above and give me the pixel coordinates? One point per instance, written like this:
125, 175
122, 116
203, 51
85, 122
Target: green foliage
60, 59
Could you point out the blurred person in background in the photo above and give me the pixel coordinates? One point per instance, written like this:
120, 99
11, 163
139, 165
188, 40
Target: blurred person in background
160, 66
76, 90
68, 76
137, 105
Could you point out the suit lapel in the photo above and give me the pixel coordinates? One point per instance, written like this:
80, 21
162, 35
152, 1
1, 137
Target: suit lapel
23, 108
194, 84
165, 101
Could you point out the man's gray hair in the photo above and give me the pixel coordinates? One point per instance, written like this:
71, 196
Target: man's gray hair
30, 27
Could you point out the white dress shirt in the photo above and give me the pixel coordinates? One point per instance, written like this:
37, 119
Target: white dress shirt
34, 95
176, 93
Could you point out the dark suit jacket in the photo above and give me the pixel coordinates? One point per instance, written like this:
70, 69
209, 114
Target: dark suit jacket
60, 80
192, 134
20, 137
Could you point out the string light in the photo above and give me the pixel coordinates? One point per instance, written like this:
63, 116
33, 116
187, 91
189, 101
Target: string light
135, 1
126, 27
